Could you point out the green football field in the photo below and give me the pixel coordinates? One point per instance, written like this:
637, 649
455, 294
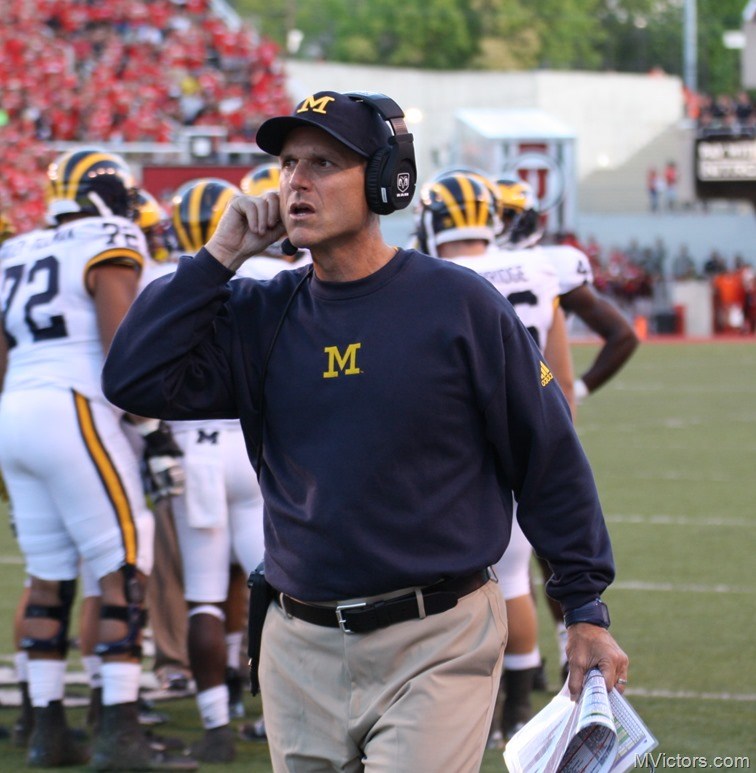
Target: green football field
672, 441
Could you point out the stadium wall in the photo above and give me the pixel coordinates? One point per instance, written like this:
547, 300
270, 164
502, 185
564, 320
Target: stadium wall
613, 115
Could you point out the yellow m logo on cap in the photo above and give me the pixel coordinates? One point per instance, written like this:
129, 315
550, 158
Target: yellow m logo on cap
316, 105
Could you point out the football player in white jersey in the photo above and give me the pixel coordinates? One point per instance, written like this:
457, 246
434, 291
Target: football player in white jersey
520, 230
219, 517
456, 222
519, 218
72, 476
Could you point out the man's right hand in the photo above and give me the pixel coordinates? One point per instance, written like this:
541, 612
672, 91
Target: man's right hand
248, 225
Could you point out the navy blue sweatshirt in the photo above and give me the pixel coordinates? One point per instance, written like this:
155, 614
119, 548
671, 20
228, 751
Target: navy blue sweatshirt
401, 412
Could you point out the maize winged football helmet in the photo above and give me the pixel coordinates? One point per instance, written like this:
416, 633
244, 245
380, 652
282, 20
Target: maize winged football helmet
197, 207
92, 182
459, 206
261, 179
156, 225
518, 210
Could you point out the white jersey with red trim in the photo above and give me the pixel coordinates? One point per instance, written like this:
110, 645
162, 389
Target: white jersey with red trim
528, 282
572, 265
49, 315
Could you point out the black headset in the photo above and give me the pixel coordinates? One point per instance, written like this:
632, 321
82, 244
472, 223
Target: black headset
391, 173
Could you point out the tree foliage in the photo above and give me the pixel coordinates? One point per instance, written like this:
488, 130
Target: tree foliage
719, 68
619, 35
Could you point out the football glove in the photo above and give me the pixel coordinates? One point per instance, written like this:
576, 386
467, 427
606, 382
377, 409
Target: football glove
165, 476
580, 391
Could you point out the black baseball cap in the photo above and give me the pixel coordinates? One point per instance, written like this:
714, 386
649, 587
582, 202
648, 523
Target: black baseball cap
348, 119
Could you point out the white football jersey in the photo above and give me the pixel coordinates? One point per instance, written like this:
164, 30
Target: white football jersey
571, 264
49, 315
263, 267
260, 267
154, 269
528, 282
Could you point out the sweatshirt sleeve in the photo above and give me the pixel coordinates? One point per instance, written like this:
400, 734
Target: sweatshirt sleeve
558, 506
169, 358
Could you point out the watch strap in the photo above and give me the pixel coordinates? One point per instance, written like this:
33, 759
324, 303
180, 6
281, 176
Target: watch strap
594, 612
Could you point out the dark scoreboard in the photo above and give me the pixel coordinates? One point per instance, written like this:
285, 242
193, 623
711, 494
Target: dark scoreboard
725, 167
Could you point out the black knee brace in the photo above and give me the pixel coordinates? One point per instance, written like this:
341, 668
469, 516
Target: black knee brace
132, 614
62, 613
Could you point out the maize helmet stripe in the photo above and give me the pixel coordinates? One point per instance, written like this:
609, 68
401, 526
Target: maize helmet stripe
261, 179
90, 181
476, 209
197, 207
195, 215
57, 174
471, 205
149, 209
178, 224
452, 206
457, 207
515, 194
80, 168
56, 177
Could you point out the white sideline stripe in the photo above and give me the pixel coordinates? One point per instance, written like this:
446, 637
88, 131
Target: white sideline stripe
681, 388
626, 585
688, 477
681, 520
689, 695
11, 560
669, 587
10, 694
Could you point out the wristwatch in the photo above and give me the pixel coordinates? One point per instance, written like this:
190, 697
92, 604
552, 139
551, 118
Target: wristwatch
594, 612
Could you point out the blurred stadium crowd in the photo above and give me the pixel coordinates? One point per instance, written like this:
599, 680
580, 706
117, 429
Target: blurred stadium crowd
632, 275
726, 113
126, 70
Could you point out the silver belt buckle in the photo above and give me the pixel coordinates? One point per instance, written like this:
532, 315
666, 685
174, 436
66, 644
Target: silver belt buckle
340, 617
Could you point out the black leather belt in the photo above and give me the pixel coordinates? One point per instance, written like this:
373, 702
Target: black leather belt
365, 617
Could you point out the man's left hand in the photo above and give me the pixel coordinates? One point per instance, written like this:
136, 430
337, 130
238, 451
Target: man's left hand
590, 646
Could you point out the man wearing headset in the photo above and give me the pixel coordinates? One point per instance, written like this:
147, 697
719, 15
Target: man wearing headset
392, 404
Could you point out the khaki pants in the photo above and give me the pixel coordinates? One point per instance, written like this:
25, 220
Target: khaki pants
417, 696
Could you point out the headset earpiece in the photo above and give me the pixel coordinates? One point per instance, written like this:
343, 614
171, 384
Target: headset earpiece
374, 183
391, 173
